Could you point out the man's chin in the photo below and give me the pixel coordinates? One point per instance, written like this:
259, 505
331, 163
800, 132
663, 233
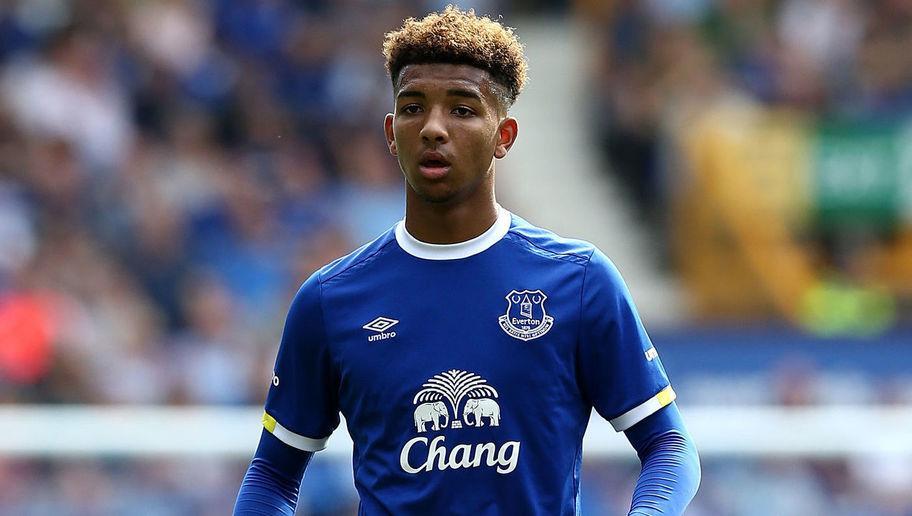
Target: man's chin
438, 195
437, 198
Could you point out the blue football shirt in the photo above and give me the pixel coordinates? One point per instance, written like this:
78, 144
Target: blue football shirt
466, 372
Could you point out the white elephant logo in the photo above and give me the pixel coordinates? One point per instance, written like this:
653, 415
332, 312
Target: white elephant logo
431, 412
451, 387
481, 408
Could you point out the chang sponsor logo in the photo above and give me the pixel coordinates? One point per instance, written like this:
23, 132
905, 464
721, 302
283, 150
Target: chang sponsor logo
434, 454
436, 407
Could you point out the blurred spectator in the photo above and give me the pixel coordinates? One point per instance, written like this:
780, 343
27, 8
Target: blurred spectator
71, 92
213, 354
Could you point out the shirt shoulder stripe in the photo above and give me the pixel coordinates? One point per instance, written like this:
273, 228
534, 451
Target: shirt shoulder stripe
643, 410
290, 438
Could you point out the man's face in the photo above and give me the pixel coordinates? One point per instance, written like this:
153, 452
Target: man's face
446, 130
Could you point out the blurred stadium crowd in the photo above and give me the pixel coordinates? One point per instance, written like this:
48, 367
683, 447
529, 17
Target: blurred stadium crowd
828, 58
171, 170
768, 141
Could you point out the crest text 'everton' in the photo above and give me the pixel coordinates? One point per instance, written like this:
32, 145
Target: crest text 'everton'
526, 318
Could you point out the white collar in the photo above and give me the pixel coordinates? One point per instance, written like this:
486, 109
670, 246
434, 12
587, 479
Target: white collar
456, 251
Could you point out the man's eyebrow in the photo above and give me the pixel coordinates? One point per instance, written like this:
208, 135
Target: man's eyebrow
456, 92
410, 93
459, 92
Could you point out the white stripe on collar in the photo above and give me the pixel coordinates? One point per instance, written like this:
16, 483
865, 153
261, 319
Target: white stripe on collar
427, 251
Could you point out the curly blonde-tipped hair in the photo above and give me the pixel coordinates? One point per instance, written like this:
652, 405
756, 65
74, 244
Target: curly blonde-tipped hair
459, 37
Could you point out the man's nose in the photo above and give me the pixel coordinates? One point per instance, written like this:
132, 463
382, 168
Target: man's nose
434, 127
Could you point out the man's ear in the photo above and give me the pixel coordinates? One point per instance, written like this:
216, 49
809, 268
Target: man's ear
506, 136
390, 138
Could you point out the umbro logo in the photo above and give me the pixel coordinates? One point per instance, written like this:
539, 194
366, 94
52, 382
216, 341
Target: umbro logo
380, 325
651, 354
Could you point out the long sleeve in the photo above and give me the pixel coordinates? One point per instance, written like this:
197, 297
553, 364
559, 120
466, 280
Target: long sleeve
670, 472
270, 487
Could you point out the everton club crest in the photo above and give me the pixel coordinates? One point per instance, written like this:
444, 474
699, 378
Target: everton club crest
526, 318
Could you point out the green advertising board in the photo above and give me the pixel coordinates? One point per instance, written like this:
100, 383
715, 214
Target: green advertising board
856, 174
904, 148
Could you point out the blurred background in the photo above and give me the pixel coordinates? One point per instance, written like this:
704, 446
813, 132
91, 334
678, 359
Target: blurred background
172, 170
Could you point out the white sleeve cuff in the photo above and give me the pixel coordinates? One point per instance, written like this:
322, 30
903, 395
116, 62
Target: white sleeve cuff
643, 410
292, 439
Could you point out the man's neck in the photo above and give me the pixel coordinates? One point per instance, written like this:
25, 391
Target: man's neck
449, 223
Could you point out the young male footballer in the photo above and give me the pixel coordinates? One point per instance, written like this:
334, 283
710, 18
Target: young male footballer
465, 347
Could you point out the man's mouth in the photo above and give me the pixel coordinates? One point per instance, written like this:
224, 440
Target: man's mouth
433, 165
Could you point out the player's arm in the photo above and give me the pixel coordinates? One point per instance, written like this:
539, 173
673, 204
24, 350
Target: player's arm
271, 484
623, 378
670, 473
301, 409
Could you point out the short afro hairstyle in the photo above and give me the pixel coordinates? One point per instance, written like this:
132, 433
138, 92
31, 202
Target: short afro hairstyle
459, 37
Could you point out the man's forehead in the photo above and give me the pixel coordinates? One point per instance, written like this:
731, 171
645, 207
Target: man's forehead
444, 75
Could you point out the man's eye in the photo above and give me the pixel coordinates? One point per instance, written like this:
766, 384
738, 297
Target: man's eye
410, 109
463, 111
